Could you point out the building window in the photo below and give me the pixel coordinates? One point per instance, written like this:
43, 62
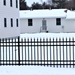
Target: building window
11, 3
16, 3
17, 24
29, 22
5, 22
11, 22
4, 2
58, 21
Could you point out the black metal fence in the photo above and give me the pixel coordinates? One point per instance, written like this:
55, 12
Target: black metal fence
54, 52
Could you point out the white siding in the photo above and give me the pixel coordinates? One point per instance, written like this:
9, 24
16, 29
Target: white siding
66, 25
52, 27
69, 25
8, 13
30, 29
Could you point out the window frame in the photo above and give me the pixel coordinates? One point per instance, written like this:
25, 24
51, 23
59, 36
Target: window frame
16, 3
58, 21
17, 22
4, 2
11, 4
5, 22
30, 22
11, 22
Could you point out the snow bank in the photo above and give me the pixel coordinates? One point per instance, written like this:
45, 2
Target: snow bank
35, 70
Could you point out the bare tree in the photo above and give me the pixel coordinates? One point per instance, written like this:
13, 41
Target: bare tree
70, 4
49, 2
74, 3
59, 3
23, 5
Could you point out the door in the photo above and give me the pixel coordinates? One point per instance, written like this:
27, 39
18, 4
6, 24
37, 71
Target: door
44, 25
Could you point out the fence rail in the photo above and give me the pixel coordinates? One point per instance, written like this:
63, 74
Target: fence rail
56, 52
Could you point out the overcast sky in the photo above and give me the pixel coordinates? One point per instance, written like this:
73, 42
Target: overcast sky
29, 2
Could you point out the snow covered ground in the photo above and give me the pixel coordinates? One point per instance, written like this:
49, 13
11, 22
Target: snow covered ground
48, 35
35, 70
39, 70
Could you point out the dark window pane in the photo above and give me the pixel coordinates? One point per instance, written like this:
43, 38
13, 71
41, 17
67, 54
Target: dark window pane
17, 22
11, 3
5, 22
58, 21
16, 3
11, 22
29, 22
4, 2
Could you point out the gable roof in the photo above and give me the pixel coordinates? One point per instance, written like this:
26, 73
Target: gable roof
54, 13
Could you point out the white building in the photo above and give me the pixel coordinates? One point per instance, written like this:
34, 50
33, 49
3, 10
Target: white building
9, 18
55, 20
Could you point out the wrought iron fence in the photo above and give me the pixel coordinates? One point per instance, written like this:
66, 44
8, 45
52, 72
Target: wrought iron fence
54, 52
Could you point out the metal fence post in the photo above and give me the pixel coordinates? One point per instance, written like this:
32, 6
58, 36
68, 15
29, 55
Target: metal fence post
19, 51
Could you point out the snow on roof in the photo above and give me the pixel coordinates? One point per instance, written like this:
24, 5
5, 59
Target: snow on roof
70, 15
53, 13
43, 13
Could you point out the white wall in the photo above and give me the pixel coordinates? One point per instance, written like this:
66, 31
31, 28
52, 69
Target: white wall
30, 29
8, 13
69, 25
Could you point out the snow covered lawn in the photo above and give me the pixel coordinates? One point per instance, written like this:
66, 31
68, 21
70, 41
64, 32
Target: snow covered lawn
48, 35
35, 70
